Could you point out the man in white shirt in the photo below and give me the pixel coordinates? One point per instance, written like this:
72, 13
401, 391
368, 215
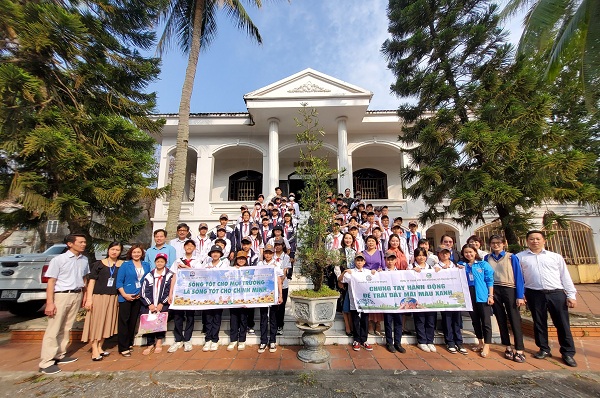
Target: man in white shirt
183, 232
548, 288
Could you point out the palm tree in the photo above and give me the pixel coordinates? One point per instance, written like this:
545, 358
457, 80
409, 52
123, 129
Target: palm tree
193, 24
556, 25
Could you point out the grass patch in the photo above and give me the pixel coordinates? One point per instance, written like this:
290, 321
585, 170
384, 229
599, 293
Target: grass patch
310, 293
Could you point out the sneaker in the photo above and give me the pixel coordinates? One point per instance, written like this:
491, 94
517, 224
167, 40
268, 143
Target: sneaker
251, 331
424, 347
214, 346
367, 346
462, 349
175, 347
390, 347
66, 360
231, 346
451, 349
241, 346
206, 346
279, 331
356, 346
272, 347
399, 348
431, 348
262, 348
50, 370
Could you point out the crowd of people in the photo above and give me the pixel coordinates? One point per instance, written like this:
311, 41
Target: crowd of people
115, 292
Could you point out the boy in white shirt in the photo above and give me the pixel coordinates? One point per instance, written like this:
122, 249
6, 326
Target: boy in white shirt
268, 315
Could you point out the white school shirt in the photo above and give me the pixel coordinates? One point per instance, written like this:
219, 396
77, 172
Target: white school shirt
284, 263
227, 248
272, 263
223, 262
286, 242
330, 243
202, 247
359, 244
257, 245
194, 263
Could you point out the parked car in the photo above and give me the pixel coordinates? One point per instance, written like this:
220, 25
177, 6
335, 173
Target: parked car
22, 281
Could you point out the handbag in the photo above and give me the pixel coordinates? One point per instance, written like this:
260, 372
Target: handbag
153, 322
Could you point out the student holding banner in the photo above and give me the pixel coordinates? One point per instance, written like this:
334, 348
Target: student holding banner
213, 316
424, 321
268, 315
392, 321
238, 322
480, 276
360, 321
183, 336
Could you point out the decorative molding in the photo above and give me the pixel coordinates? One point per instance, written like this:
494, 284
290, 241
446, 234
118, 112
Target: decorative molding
309, 87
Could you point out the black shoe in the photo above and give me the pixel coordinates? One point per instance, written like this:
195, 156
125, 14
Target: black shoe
66, 360
399, 348
569, 360
390, 348
97, 359
279, 331
541, 354
50, 370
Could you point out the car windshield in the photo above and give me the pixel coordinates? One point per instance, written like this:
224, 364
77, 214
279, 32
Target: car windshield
55, 250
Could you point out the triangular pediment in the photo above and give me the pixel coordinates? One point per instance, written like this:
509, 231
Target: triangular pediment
308, 83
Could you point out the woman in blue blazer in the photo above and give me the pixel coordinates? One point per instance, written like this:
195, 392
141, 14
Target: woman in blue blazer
129, 284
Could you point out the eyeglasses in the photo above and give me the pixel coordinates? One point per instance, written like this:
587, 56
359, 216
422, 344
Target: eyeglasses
496, 243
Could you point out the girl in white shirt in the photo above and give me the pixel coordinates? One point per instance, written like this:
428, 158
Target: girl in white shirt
213, 316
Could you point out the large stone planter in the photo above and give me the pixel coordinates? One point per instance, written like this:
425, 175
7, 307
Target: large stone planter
314, 316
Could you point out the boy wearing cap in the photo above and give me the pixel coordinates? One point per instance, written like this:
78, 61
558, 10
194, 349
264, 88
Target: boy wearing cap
392, 321
202, 242
412, 238
213, 316
223, 220
360, 321
265, 229
222, 236
268, 315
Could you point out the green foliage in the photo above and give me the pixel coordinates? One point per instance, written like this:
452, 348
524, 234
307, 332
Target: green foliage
73, 113
316, 173
324, 291
481, 140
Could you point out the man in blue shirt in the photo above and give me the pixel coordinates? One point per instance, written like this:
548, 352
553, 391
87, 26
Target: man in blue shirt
160, 237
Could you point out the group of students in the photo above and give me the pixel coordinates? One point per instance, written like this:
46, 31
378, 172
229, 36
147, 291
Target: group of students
117, 291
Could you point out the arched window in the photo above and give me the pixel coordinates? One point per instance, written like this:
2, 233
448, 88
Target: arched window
575, 243
245, 185
371, 183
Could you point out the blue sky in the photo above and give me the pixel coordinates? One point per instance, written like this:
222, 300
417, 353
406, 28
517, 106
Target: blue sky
341, 38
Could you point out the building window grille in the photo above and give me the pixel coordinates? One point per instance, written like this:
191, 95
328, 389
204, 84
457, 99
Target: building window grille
245, 186
371, 183
52, 227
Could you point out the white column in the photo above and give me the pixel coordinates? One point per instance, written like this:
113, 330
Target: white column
204, 179
273, 156
163, 170
345, 180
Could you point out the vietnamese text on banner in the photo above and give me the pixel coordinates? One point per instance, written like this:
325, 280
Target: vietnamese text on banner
410, 291
201, 289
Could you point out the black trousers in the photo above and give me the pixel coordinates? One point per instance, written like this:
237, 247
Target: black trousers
281, 308
452, 327
393, 328
425, 326
250, 316
555, 302
179, 316
481, 316
505, 310
129, 312
268, 324
238, 324
213, 324
360, 323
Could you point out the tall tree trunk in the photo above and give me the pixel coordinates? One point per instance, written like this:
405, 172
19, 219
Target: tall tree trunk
40, 246
506, 219
183, 129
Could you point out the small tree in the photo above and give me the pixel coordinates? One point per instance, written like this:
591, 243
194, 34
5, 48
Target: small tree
317, 175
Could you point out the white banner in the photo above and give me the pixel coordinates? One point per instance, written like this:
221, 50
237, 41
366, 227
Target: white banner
410, 291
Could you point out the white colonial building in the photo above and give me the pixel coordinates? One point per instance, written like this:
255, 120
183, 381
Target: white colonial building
233, 157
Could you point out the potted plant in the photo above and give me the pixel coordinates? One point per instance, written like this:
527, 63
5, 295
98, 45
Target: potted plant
314, 308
